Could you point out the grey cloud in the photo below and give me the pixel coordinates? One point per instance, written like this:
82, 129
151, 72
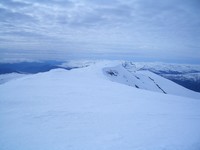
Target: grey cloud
121, 11
146, 25
13, 4
63, 3
97, 16
24, 34
103, 2
13, 17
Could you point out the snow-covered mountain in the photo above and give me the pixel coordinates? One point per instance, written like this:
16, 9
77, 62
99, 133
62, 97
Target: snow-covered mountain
10, 76
161, 68
128, 74
185, 75
195, 77
94, 108
188, 80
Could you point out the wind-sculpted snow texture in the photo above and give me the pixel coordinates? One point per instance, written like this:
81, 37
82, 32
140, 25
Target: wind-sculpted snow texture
82, 109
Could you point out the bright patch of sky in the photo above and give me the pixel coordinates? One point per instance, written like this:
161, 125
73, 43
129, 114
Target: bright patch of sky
63, 29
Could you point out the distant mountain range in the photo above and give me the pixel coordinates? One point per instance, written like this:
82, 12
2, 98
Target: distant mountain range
185, 75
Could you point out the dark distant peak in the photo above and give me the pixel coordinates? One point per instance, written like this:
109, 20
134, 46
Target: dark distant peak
29, 67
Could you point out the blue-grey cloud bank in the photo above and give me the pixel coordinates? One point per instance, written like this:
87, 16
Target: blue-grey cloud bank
42, 29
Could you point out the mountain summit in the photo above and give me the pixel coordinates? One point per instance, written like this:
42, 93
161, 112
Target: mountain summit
103, 105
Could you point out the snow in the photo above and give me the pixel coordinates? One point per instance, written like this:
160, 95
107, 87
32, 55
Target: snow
10, 76
128, 74
194, 77
186, 75
82, 109
77, 64
165, 67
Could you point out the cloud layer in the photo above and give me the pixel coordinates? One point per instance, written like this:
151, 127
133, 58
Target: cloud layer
168, 28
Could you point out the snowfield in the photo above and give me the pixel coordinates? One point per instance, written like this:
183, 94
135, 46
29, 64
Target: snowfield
98, 108
10, 76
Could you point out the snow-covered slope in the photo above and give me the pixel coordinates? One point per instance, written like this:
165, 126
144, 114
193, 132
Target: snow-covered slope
82, 109
77, 64
126, 73
10, 76
184, 74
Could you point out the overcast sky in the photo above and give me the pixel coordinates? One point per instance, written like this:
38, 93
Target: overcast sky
136, 29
